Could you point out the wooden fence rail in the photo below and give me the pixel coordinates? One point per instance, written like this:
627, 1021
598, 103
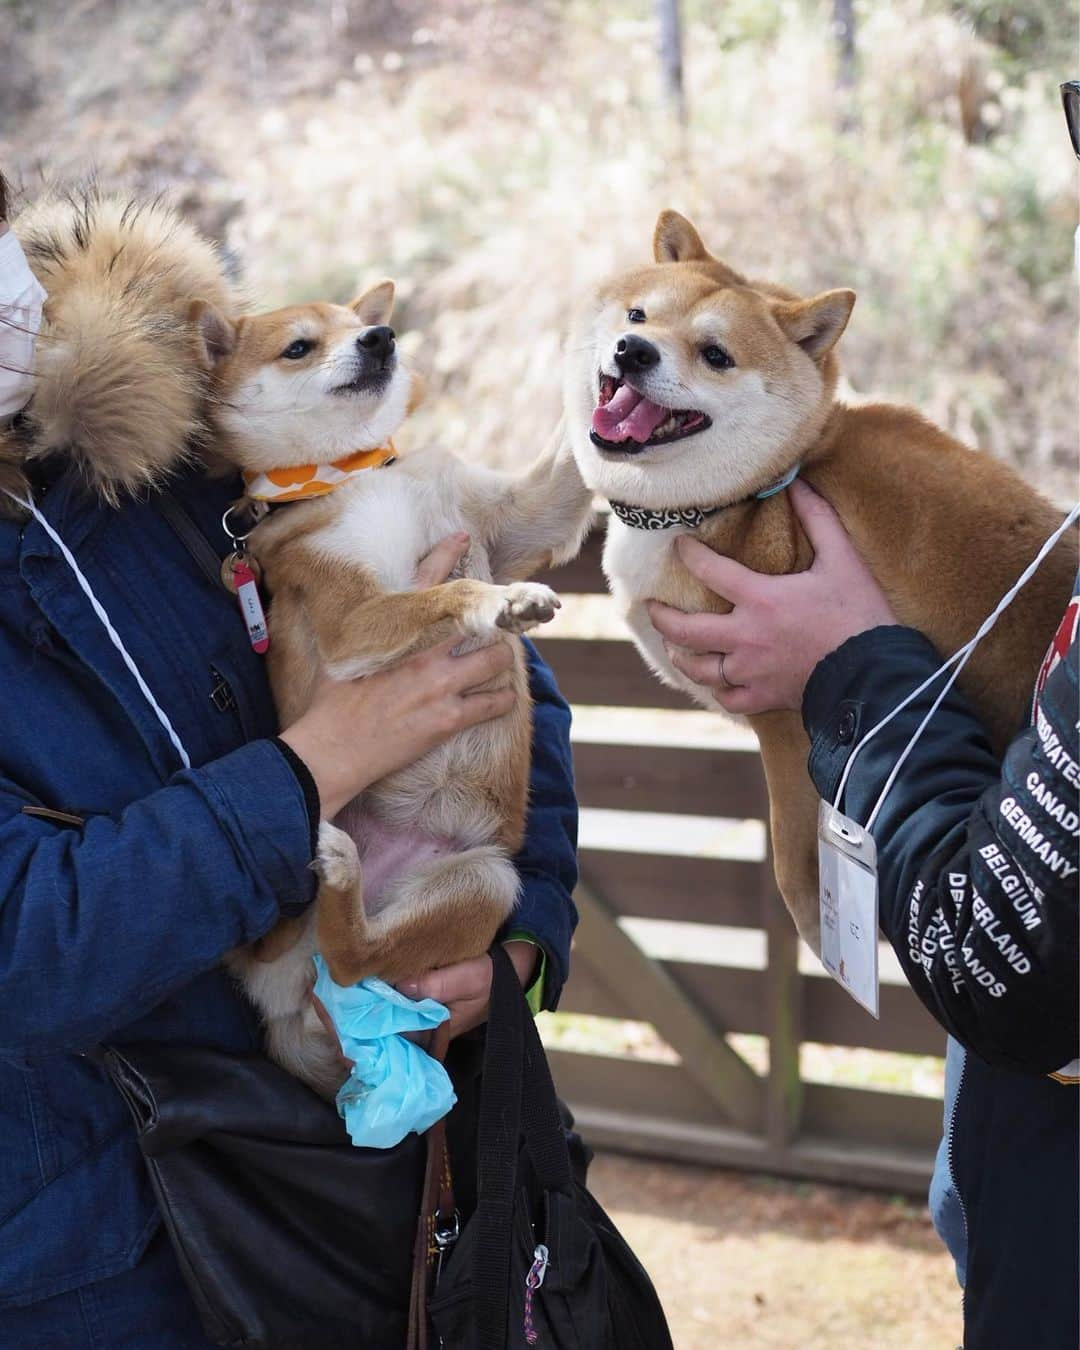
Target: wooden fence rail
673, 831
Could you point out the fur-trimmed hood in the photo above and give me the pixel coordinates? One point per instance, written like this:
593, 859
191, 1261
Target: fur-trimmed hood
121, 368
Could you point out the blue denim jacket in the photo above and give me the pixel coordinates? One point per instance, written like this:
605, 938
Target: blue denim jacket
116, 930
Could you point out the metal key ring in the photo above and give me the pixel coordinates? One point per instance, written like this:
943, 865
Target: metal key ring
236, 538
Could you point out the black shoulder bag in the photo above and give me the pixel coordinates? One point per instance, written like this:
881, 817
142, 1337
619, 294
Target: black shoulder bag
287, 1235
539, 1263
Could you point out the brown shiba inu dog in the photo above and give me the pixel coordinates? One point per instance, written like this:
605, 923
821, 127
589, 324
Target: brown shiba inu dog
416, 872
693, 395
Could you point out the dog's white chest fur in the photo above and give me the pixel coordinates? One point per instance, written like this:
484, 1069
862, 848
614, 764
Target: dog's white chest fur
634, 561
391, 517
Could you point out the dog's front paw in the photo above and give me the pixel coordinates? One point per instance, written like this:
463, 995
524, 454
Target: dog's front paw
336, 862
524, 605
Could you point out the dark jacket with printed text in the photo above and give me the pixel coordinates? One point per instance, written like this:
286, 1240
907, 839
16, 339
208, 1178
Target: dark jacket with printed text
977, 865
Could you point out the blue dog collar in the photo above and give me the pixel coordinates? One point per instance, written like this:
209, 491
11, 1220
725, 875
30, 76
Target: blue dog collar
780, 484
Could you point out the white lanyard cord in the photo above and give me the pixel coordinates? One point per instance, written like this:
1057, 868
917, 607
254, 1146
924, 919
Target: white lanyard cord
959, 659
114, 636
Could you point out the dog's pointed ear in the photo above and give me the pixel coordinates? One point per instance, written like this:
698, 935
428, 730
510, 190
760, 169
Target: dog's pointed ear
375, 305
676, 240
214, 333
817, 324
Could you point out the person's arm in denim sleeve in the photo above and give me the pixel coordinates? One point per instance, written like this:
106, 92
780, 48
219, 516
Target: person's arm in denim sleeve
547, 861
99, 924
977, 860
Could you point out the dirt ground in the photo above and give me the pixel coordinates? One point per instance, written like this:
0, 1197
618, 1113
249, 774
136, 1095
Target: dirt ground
750, 1261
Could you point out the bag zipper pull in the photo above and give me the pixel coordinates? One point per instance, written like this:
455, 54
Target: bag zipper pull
533, 1280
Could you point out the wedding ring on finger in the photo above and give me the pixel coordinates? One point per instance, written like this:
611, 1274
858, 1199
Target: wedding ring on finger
723, 678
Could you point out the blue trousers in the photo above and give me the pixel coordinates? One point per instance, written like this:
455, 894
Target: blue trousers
945, 1208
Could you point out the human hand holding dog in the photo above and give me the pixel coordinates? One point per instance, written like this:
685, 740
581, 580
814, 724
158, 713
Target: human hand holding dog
465, 988
760, 656
357, 731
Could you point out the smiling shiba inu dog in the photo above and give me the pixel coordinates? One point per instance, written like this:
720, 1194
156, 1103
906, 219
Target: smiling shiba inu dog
416, 872
693, 396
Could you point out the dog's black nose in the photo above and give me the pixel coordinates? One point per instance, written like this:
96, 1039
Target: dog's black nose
376, 342
633, 353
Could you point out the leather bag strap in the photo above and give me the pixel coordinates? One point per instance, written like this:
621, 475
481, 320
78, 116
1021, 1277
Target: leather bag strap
436, 1199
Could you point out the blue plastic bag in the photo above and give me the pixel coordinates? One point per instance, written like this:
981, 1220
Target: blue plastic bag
394, 1086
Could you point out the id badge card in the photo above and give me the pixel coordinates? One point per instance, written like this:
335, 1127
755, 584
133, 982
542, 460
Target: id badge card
847, 866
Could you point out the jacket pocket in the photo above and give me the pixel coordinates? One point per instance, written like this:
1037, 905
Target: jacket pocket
93, 1220
229, 700
26, 1158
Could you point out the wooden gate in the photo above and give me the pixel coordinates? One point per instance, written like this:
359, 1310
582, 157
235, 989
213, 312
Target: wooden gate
673, 830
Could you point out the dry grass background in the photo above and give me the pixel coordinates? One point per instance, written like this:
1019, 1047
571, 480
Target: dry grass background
496, 157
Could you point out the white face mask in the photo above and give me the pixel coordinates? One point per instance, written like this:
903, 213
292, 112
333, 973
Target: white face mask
21, 299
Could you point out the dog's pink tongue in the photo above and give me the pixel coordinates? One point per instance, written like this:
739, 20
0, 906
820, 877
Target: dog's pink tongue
607, 416
629, 416
642, 422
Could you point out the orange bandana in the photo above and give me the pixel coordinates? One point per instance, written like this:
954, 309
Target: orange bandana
313, 480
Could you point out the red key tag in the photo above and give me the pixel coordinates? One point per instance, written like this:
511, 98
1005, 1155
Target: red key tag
247, 592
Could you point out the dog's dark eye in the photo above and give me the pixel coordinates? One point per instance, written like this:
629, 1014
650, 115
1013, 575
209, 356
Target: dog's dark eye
717, 357
635, 316
295, 350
